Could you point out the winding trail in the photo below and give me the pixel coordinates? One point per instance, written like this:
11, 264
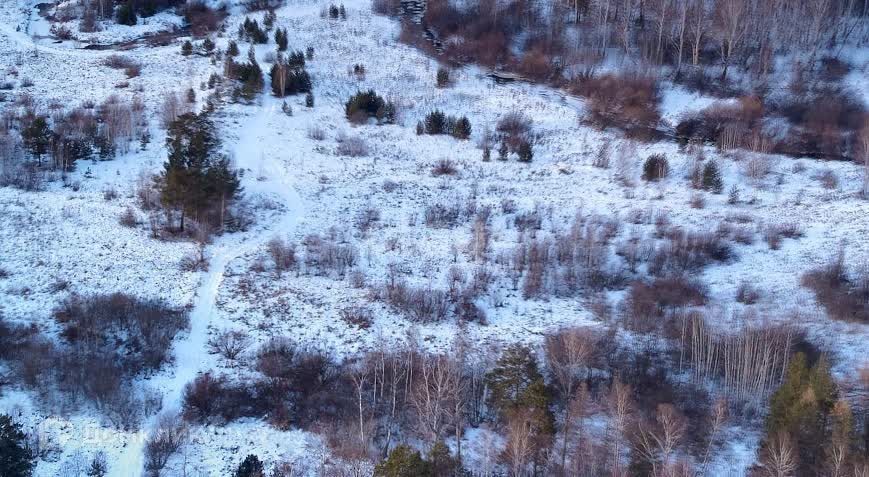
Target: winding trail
190, 351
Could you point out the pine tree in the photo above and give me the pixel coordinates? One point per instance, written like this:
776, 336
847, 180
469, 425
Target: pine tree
712, 178
269, 19
37, 137
655, 167
232, 49
487, 153
187, 48
126, 14
208, 45
435, 122
440, 460
503, 151
281, 39
342, 12
251, 466
98, 466
195, 175
525, 152
801, 407
403, 462
15, 458
309, 100
442, 77
462, 128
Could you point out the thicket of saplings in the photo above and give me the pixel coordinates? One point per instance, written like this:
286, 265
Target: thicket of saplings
105, 342
544, 401
724, 48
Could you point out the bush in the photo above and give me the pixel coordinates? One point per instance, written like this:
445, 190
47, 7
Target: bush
845, 296
689, 251
655, 167
444, 167
627, 102
137, 333
358, 316
352, 147
131, 68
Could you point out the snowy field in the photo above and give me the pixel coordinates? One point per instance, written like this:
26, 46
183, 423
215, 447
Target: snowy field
68, 239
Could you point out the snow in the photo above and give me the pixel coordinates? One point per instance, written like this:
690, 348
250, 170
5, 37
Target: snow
72, 235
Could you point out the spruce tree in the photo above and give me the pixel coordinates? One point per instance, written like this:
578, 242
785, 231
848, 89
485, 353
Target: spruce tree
15, 457
503, 151
712, 178
462, 128
37, 137
187, 48
251, 466
232, 49
525, 152
435, 122
309, 100
281, 39
126, 14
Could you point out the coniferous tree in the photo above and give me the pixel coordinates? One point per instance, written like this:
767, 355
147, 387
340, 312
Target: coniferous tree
712, 178
251, 466
655, 167
435, 122
403, 462
281, 39
269, 19
98, 466
487, 153
801, 408
196, 177
126, 14
15, 457
232, 49
525, 152
462, 128
503, 151
443, 77
309, 100
187, 48
37, 137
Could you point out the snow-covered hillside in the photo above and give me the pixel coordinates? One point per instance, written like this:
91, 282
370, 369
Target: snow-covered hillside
68, 239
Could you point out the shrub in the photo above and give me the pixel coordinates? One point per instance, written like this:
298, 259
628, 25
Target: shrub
627, 102
774, 234
357, 315
128, 218
747, 294
352, 147
844, 295
165, 440
444, 167
655, 167
689, 251
131, 68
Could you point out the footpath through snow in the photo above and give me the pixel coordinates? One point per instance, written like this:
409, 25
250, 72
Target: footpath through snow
190, 351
